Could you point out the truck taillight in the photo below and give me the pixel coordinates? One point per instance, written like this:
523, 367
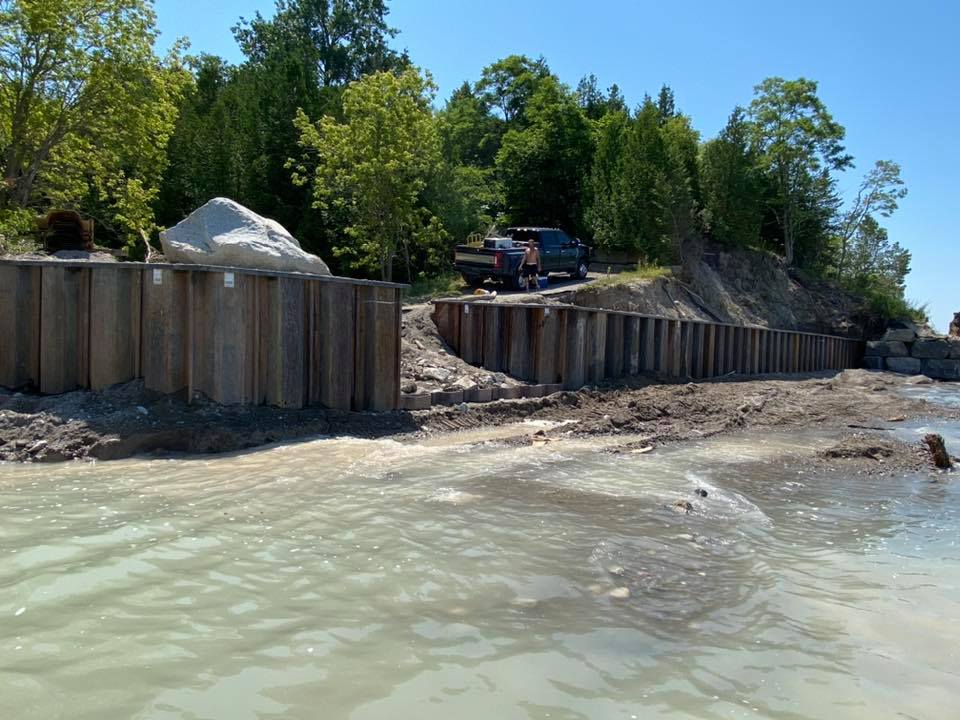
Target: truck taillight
498, 260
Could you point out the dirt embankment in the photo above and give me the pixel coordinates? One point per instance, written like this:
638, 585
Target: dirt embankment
741, 287
128, 420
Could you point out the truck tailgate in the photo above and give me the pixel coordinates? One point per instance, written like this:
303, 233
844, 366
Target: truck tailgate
474, 256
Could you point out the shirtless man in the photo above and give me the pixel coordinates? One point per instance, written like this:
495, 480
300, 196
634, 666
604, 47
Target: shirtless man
530, 267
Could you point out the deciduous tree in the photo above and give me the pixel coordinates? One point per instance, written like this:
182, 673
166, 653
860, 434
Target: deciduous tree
509, 84
798, 143
373, 165
879, 193
86, 107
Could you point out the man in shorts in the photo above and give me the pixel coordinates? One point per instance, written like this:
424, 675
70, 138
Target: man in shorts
530, 266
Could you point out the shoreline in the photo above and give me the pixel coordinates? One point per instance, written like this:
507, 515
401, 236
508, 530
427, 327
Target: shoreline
126, 420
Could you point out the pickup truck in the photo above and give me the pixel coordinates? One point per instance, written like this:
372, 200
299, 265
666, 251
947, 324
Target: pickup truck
499, 258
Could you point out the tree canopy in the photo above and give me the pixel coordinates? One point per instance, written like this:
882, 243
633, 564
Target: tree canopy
373, 165
71, 73
328, 129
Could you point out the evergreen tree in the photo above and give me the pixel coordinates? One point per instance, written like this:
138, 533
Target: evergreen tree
731, 185
543, 163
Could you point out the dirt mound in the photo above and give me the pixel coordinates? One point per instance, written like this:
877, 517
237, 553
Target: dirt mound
427, 363
861, 446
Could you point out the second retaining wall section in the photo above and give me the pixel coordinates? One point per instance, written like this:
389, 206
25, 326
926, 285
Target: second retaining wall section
575, 346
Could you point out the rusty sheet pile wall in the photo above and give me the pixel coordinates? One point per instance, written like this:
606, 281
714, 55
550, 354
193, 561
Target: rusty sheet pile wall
237, 336
576, 346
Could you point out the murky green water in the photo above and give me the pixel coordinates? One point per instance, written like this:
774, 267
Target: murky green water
357, 579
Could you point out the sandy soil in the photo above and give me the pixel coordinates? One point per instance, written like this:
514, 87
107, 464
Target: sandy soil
127, 420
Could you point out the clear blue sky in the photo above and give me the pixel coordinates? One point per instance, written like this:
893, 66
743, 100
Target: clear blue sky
888, 71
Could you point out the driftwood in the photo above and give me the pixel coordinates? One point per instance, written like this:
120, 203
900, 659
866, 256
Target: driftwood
939, 451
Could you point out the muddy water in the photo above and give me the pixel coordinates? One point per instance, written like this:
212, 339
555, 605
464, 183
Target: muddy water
464, 579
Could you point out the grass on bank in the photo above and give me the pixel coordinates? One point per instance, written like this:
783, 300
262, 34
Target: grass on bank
641, 274
429, 288
424, 289
891, 307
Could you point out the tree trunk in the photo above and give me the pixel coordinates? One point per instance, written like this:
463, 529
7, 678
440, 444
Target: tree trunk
938, 450
386, 268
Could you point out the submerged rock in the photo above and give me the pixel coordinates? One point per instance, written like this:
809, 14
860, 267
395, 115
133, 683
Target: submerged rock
620, 593
225, 233
683, 506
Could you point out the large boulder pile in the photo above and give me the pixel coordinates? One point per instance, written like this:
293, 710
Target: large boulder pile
902, 350
225, 233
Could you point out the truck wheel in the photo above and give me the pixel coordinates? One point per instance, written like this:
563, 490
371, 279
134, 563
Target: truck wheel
581, 271
472, 280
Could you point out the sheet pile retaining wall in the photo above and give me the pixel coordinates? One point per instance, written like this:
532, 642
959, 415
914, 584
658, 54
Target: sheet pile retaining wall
238, 336
576, 346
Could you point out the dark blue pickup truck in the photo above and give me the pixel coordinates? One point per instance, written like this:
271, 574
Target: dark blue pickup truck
499, 258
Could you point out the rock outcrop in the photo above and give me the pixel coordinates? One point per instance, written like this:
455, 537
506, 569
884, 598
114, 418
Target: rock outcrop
225, 233
902, 351
955, 326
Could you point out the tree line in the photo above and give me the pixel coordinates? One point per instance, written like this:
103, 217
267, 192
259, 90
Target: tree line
326, 128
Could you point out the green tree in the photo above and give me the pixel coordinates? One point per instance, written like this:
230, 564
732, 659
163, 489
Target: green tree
374, 165
605, 214
470, 134
544, 163
509, 84
798, 144
636, 184
666, 104
237, 141
336, 41
678, 185
880, 192
594, 102
590, 97
86, 108
204, 151
877, 267
731, 186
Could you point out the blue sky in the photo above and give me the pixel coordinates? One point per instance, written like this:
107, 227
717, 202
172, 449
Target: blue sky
888, 71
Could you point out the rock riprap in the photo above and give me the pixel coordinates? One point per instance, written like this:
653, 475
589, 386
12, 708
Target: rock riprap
902, 350
225, 233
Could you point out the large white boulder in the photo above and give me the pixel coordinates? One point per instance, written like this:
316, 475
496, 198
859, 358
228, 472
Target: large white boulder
224, 232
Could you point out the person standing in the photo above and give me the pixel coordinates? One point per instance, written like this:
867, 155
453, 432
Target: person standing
530, 266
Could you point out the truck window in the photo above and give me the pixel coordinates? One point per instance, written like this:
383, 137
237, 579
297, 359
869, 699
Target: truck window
549, 240
523, 236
